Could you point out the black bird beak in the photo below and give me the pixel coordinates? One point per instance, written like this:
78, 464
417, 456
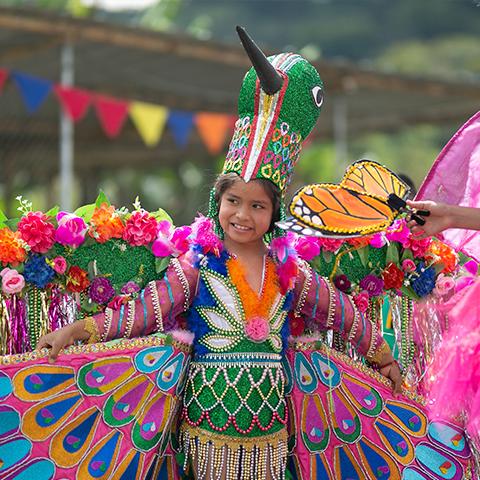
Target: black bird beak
270, 80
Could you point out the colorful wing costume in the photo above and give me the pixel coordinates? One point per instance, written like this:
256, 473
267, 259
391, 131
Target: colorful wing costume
102, 411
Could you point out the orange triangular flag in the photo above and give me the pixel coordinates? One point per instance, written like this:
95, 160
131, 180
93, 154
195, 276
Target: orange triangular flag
213, 128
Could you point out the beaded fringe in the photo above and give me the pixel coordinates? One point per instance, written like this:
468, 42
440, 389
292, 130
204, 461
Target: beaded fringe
218, 457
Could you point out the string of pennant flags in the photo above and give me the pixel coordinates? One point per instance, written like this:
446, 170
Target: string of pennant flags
149, 119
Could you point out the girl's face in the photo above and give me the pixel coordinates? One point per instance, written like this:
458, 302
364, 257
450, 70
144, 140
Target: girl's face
245, 212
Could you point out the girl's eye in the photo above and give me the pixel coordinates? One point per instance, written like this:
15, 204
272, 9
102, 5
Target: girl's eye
232, 200
257, 206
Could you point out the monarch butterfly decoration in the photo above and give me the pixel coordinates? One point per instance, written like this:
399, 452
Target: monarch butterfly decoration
367, 200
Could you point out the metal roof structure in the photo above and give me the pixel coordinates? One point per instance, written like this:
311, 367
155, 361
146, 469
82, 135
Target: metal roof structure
184, 73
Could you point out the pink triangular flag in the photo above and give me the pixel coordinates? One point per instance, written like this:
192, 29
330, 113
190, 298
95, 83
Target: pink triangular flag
111, 113
75, 102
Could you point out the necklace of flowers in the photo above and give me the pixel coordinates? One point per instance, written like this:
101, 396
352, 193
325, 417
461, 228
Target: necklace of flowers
256, 307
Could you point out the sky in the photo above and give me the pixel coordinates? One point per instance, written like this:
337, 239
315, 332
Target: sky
119, 4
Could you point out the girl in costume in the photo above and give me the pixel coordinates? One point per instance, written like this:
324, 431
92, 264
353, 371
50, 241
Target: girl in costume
238, 292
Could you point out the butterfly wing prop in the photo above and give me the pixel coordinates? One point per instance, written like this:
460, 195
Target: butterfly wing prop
359, 205
101, 411
346, 423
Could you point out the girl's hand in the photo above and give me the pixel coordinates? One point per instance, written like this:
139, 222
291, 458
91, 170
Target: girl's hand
63, 338
392, 372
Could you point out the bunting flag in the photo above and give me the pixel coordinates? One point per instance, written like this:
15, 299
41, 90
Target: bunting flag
34, 90
75, 102
148, 118
111, 113
150, 121
180, 123
3, 78
213, 128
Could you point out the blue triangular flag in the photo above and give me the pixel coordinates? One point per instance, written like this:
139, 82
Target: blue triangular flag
180, 123
33, 90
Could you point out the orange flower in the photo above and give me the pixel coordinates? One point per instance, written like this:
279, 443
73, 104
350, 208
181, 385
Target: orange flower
447, 255
12, 250
105, 224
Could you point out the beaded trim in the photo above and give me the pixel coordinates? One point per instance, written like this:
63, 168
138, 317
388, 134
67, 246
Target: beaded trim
184, 282
331, 304
92, 328
122, 344
373, 340
107, 323
306, 288
217, 456
156, 306
130, 319
356, 320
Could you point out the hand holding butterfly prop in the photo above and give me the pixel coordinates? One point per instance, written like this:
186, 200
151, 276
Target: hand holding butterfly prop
367, 200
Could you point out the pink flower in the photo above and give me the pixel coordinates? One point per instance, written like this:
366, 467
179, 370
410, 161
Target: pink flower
175, 244
71, 229
378, 240
361, 301
203, 232
164, 228
418, 247
408, 265
444, 285
37, 231
140, 229
12, 281
471, 267
59, 265
330, 244
398, 231
307, 247
463, 282
282, 247
257, 329
118, 301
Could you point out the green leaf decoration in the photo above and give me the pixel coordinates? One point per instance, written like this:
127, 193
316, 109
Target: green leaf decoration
53, 211
161, 263
407, 254
102, 198
85, 212
3, 218
410, 293
363, 255
392, 254
12, 223
160, 215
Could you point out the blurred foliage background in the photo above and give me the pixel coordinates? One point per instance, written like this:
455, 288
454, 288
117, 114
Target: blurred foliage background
439, 38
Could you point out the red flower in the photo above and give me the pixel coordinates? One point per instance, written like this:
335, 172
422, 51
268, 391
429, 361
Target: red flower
37, 231
77, 279
392, 277
297, 325
141, 229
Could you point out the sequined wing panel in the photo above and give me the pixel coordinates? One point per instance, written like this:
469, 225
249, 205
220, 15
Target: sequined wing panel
101, 411
349, 425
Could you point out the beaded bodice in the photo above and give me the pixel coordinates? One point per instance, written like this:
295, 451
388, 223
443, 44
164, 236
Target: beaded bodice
225, 318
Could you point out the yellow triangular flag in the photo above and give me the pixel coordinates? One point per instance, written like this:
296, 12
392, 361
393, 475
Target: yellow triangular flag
150, 121
213, 128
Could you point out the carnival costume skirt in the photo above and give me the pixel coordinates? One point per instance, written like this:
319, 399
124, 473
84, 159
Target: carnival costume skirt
234, 417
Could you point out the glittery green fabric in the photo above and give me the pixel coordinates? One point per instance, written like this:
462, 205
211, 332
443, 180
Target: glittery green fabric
296, 110
114, 259
353, 264
206, 399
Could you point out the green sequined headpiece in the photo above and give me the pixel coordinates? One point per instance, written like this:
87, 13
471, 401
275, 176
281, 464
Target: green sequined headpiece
279, 103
